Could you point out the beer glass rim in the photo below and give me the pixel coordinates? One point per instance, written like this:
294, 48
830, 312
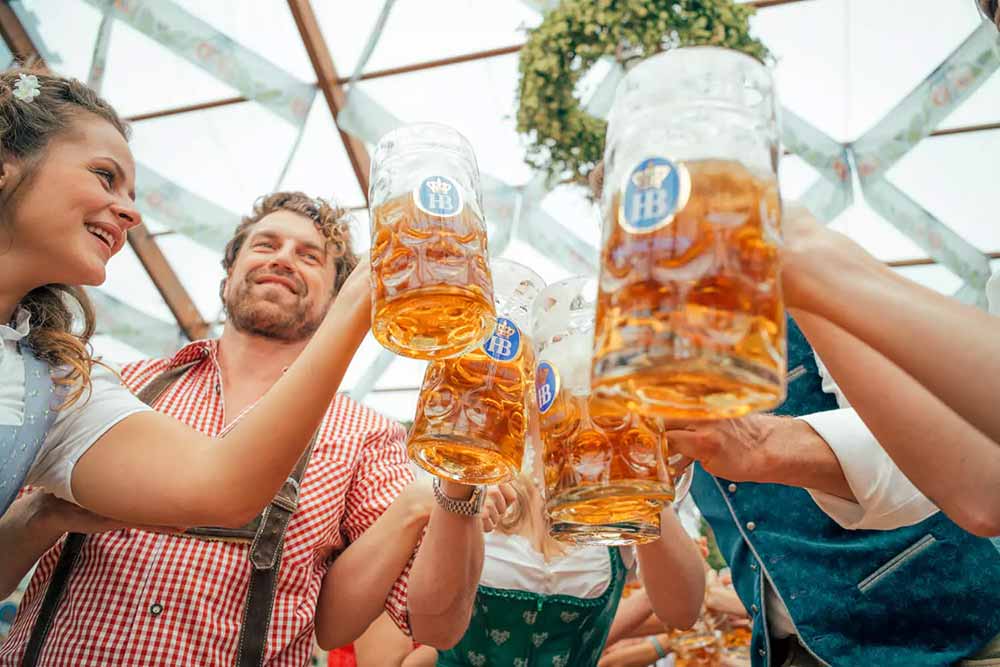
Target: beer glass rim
646, 68
723, 53
459, 145
581, 280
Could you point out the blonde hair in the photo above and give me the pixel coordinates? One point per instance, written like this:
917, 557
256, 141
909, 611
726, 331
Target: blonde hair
26, 129
519, 513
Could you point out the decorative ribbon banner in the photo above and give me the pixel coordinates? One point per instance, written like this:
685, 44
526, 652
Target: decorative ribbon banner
827, 200
365, 118
198, 42
938, 240
99, 61
824, 153
183, 211
133, 327
922, 110
833, 192
600, 100
914, 118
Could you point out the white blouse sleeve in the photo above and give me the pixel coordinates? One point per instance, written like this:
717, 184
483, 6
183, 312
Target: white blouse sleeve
886, 498
79, 426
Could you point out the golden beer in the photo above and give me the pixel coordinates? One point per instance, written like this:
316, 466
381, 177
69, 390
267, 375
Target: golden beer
606, 467
690, 316
432, 289
470, 423
690, 319
433, 295
603, 466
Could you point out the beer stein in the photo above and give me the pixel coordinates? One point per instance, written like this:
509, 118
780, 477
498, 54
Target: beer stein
470, 422
690, 317
606, 468
432, 294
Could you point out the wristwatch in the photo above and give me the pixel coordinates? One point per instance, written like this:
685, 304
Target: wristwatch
468, 507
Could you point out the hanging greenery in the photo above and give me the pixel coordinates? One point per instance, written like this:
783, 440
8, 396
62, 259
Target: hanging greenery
564, 140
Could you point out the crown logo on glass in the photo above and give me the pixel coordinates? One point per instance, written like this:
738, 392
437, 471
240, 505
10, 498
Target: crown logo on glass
651, 177
504, 330
438, 186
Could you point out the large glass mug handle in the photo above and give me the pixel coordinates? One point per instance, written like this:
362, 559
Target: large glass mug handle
682, 482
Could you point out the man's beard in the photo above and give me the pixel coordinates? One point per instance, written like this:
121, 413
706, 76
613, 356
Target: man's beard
259, 316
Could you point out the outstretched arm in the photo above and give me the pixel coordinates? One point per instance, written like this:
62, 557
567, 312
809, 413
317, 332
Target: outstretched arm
32, 525
672, 573
948, 347
360, 579
952, 463
151, 469
447, 568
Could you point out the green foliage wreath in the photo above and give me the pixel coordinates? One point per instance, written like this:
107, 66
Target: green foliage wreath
563, 139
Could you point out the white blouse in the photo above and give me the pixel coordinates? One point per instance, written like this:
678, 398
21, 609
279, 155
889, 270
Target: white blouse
75, 428
512, 563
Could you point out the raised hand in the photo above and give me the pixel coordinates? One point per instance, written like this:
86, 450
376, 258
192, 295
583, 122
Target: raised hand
498, 499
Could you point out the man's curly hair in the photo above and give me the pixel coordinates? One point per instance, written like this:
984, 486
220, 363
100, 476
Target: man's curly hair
331, 220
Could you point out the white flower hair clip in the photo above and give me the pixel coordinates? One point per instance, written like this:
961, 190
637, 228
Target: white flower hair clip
27, 87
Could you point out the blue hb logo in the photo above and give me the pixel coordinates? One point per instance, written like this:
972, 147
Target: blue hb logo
546, 386
438, 195
653, 192
505, 341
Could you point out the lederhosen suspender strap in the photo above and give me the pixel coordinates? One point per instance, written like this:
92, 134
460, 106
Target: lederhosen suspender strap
267, 532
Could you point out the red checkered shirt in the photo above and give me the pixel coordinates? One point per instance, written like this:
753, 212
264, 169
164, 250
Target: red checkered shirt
138, 598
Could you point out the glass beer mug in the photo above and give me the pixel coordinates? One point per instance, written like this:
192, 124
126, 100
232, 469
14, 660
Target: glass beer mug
605, 467
690, 317
470, 422
432, 291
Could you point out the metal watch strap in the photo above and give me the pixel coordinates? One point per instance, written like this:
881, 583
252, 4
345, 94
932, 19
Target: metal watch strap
470, 507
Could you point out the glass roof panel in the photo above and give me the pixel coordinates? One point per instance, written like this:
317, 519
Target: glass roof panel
893, 47
476, 98
955, 178
421, 30
143, 76
229, 155
875, 235
841, 66
320, 166
808, 41
267, 26
64, 37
